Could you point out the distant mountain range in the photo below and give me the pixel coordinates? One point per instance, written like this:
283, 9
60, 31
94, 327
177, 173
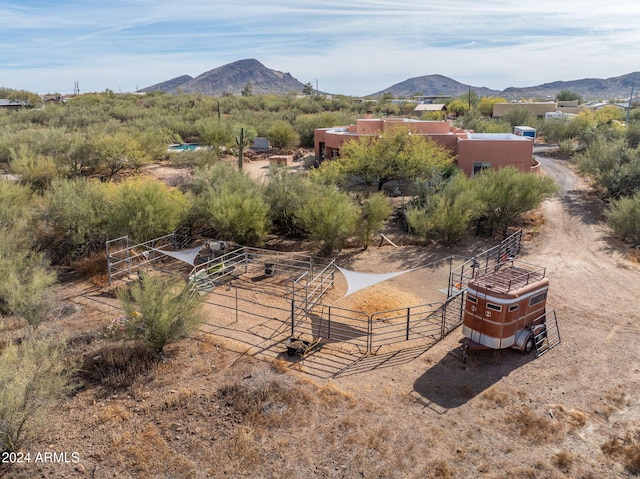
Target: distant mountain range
232, 78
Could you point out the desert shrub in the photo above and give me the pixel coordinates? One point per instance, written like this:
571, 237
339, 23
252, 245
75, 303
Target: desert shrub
417, 220
265, 399
34, 169
451, 211
373, 212
566, 148
626, 449
25, 289
159, 310
623, 216
614, 166
15, 203
77, 211
282, 135
563, 460
285, 194
329, 217
538, 429
116, 366
518, 116
507, 193
232, 204
27, 398
145, 209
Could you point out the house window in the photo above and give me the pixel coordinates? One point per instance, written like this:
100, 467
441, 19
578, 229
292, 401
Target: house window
495, 307
538, 298
479, 166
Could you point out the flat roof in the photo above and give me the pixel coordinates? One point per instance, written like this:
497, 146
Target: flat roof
497, 136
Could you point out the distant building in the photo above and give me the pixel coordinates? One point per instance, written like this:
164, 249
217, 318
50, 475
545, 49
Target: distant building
430, 107
11, 104
474, 151
537, 109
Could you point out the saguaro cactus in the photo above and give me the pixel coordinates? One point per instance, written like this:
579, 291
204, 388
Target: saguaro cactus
241, 142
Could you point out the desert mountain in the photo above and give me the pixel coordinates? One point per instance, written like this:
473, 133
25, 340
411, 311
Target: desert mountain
232, 78
169, 85
588, 88
433, 85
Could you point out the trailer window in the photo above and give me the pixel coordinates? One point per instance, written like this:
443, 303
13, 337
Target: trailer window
472, 299
513, 307
495, 307
538, 298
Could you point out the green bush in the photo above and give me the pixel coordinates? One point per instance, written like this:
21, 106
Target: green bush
77, 212
623, 216
145, 209
329, 217
34, 169
15, 203
452, 211
159, 310
26, 277
417, 220
373, 213
507, 193
33, 379
231, 203
286, 194
282, 135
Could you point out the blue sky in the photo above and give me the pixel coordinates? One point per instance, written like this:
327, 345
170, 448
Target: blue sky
353, 47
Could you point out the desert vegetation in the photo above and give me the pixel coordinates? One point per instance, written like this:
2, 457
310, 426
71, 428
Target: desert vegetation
80, 167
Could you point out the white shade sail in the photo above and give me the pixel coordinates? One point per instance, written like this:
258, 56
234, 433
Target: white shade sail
357, 281
186, 255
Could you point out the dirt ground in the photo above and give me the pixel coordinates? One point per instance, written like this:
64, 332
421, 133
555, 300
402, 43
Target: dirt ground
223, 404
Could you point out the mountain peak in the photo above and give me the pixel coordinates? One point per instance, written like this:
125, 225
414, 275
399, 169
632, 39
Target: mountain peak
231, 79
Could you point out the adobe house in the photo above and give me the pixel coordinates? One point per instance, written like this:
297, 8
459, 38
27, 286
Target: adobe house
474, 151
538, 109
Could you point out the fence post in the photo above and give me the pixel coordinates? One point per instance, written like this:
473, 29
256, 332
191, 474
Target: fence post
408, 320
293, 290
328, 324
369, 333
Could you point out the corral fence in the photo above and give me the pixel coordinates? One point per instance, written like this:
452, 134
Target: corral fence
300, 282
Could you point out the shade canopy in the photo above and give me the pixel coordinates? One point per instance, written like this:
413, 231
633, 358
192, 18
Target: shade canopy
186, 255
357, 281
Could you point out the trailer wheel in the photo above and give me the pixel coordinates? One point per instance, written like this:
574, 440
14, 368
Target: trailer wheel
529, 344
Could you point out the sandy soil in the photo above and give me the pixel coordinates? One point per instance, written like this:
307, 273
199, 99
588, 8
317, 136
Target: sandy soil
415, 412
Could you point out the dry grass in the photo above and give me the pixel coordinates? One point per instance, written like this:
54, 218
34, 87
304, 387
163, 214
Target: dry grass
265, 399
495, 397
93, 267
439, 469
573, 417
625, 449
146, 452
331, 396
563, 460
537, 428
116, 366
614, 401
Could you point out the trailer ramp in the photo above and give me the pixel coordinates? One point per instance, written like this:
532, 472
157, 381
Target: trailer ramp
547, 334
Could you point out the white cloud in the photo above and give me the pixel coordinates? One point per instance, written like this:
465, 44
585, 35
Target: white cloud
357, 47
